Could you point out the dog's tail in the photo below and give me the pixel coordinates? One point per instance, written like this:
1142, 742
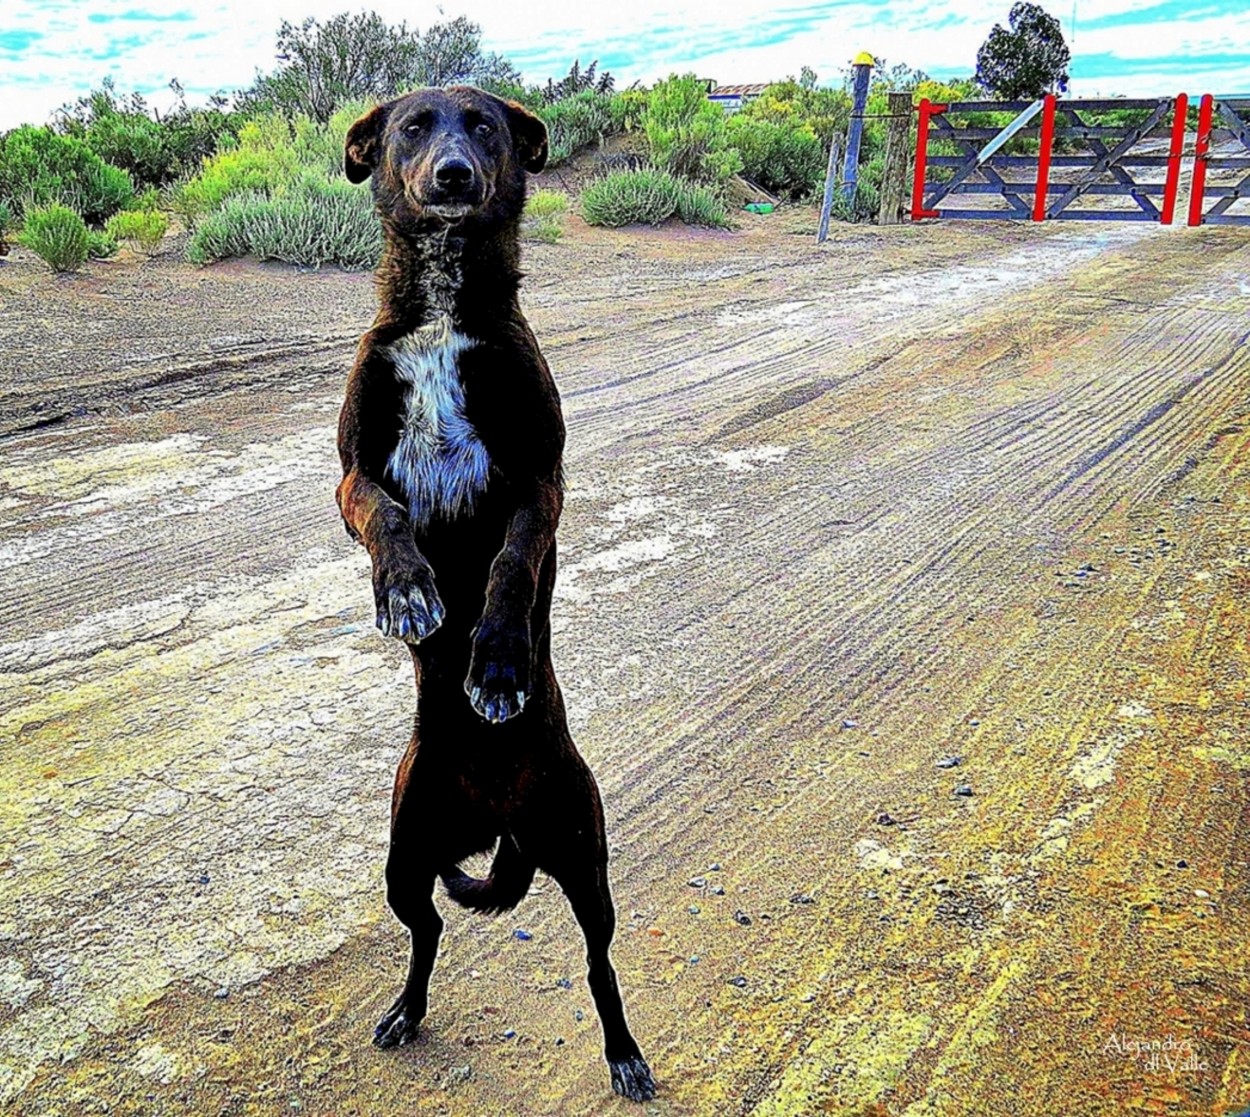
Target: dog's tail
510, 878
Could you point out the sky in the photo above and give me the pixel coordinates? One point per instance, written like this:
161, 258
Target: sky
52, 51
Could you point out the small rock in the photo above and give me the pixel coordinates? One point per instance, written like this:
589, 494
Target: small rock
974, 721
801, 898
741, 918
738, 982
850, 723
564, 983
716, 890
579, 1015
510, 1034
695, 959
950, 762
1182, 864
222, 993
204, 878
697, 882
521, 936
693, 909
459, 1074
714, 867
559, 1041
963, 790
886, 819
1202, 893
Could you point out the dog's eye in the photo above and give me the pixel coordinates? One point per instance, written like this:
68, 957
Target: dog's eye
484, 129
414, 129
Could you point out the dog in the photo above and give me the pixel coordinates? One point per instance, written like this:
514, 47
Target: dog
451, 439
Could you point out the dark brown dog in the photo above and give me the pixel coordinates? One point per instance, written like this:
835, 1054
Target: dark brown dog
451, 439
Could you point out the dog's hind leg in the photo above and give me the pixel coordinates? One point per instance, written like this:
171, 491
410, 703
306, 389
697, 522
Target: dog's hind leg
580, 867
410, 894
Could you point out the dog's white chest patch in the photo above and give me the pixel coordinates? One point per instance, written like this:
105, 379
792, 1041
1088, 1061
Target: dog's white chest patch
439, 462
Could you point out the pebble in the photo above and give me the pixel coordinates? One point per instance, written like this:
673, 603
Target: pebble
579, 1015
521, 936
950, 762
204, 878
1182, 864
460, 1074
738, 982
509, 1034
1202, 893
741, 918
714, 867
886, 819
559, 1041
693, 909
695, 959
801, 898
850, 723
697, 882
964, 790
222, 993
716, 890
974, 721
564, 983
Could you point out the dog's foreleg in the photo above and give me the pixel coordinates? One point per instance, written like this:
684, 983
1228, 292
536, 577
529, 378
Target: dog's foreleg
501, 667
404, 594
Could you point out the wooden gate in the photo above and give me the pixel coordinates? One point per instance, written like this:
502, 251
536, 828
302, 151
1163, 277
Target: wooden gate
1221, 121
1072, 152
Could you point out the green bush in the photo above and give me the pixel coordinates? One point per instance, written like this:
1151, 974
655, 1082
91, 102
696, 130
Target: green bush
153, 150
786, 159
650, 197
688, 134
38, 168
263, 158
580, 120
543, 219
311, 223
101, 244
142, 228
57, 235
6, 219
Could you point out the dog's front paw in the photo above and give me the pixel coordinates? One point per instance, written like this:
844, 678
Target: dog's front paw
499, 673
407, 602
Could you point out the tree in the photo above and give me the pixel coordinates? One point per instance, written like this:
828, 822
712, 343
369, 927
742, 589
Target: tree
1028, 61
357, 57
578, 81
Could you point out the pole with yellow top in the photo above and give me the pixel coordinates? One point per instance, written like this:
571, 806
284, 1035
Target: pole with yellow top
861, 70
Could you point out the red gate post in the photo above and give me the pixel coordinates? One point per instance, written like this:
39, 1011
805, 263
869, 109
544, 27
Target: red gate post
927, 110
1197, 189
1046, 142
1170, 188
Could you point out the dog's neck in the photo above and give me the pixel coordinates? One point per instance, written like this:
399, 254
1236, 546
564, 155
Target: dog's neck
445, 273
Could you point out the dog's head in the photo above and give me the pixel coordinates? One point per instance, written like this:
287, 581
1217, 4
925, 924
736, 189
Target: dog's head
447, 156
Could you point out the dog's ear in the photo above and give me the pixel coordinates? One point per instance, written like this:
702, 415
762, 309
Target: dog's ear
529, 137
364, 140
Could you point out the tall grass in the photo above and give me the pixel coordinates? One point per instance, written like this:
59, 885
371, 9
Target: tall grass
650, 197
311, 223
57, 235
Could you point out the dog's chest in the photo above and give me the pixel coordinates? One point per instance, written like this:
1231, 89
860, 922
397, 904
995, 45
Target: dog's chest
439, 462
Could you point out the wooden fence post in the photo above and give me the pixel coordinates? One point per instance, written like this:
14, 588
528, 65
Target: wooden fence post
897, 157
831, 177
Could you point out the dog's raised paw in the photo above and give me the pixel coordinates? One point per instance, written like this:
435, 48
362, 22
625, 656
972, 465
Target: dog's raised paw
409, 608
498, 680
399, 1025
631, 1078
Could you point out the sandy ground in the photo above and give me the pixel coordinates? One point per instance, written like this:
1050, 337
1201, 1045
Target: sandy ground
835, 516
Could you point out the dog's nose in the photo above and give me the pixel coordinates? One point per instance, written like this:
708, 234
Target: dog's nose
453, 171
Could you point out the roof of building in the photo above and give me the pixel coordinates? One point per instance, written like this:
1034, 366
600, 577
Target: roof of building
749, 90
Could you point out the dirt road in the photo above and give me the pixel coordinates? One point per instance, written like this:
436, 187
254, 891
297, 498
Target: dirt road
835, 516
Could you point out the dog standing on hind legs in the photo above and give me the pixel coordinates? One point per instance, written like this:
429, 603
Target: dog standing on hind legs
451, 439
